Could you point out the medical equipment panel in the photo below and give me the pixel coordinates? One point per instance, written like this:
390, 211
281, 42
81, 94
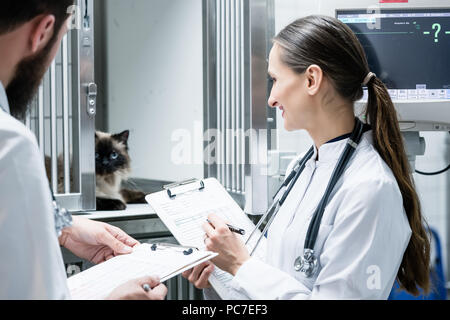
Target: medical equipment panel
408, 50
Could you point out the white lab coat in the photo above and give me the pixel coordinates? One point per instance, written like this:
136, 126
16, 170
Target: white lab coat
363, 235
31, 261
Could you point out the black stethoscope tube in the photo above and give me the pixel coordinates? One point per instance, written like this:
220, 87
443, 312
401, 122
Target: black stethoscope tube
298, 169
313, 229
289, 182
297, 175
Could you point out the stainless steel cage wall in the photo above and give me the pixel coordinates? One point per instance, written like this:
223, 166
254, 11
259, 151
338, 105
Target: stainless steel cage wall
63, 114
236, 36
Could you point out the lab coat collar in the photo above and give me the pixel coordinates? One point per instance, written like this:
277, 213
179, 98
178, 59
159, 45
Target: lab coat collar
332, 151
4, 105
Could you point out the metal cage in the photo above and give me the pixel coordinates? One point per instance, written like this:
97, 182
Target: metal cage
63, 115
236, 42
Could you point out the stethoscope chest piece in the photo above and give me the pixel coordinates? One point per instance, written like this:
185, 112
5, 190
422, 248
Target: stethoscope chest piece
307, 264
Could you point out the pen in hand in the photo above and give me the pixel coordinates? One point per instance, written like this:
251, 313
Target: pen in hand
146, 288
232, 229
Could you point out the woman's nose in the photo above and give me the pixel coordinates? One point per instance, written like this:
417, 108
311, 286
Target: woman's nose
273, 103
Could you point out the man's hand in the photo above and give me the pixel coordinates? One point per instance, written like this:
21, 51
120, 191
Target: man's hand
199, 275
96, 241
133, 290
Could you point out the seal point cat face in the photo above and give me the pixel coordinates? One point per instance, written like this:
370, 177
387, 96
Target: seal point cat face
111, 153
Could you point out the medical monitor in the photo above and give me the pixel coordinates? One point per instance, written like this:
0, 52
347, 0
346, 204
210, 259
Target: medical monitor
409, 50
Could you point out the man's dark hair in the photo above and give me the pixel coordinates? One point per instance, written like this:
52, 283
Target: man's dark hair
29, 71
14, 13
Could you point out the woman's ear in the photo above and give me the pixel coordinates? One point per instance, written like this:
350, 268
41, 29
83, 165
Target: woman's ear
314, 78
42, 32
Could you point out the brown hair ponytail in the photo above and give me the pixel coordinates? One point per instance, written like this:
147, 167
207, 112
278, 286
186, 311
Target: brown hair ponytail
414, 270
332, 45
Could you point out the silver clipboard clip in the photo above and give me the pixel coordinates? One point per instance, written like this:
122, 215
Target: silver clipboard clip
168, 246
172, 193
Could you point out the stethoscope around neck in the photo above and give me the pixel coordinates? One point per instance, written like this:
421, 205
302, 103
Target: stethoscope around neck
308, 264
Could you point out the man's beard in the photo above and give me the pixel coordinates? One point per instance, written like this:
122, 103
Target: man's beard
25, 83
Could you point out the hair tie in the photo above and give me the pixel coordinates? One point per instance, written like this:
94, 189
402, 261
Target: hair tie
368, 78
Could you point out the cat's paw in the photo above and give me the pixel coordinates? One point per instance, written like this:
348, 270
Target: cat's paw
139, 198
110, 205
133, 196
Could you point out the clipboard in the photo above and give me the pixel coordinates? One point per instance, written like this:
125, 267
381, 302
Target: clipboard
163, 260
184, 206
183, 187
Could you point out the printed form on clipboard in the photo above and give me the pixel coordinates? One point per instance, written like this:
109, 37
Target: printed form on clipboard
185, 208
163, 260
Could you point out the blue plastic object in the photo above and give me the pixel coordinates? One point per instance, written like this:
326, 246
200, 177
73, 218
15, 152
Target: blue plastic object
437, 278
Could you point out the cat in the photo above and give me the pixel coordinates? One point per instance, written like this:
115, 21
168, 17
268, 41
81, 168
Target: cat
60, 168
112, 166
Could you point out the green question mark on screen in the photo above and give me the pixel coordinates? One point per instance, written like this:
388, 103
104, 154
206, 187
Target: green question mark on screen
438, 27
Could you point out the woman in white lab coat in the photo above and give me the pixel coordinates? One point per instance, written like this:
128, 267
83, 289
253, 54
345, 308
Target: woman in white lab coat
372, 231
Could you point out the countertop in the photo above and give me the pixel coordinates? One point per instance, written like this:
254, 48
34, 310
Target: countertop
133, 211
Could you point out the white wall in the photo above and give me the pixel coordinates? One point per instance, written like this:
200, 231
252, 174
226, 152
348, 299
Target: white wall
433, 191
154, 82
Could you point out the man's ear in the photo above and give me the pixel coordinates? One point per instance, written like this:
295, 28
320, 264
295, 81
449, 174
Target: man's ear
314, 78
41, 33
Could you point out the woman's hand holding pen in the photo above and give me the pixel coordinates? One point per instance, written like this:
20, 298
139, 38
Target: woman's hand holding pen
230, 247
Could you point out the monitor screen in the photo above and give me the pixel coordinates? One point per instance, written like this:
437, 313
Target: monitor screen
408, 49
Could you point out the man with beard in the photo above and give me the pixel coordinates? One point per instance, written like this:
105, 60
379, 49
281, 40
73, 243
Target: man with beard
31, 261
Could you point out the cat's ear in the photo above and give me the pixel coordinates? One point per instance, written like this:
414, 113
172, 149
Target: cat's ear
122, 137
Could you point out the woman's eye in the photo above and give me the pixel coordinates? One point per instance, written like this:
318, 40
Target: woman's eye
114, 155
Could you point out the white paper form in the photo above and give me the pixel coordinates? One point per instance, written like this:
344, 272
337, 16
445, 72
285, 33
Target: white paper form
185, 214
99, 281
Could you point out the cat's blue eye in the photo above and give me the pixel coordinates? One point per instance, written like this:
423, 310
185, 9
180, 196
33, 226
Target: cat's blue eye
114, 155
97, 156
